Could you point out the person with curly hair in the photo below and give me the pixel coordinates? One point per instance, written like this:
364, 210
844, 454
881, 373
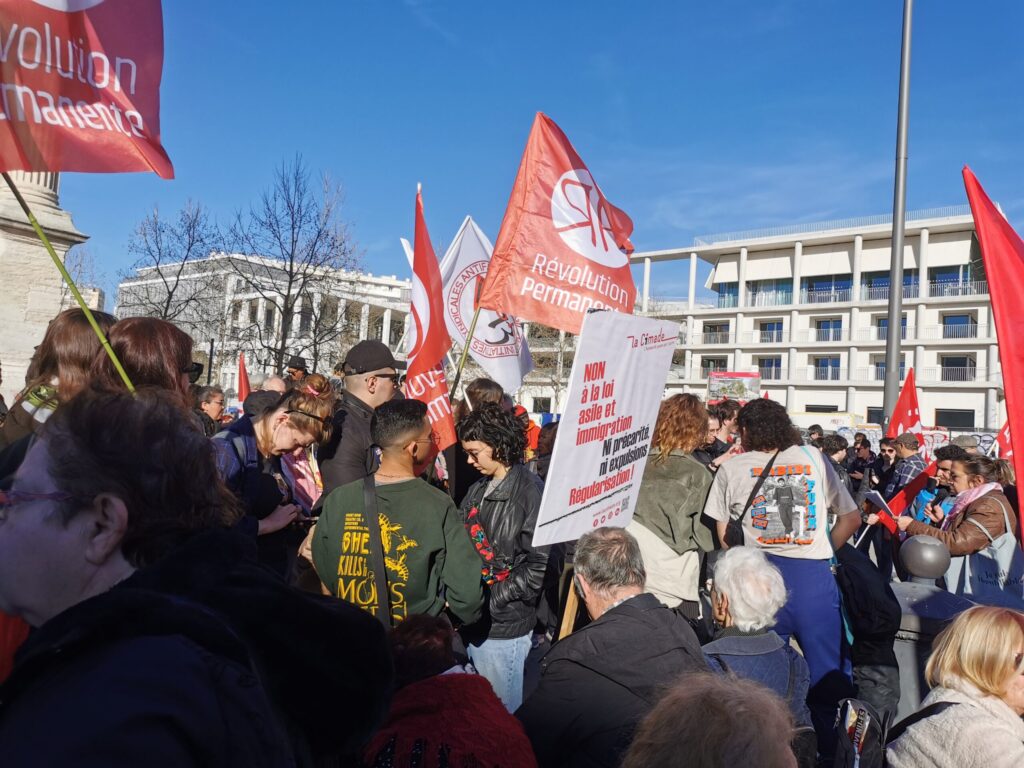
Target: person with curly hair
780, 494
666, 521
500, 515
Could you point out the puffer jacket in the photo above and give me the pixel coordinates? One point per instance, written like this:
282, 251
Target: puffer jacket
508, 517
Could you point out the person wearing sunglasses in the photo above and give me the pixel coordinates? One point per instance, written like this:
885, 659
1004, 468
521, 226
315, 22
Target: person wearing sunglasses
372, 377
972, 716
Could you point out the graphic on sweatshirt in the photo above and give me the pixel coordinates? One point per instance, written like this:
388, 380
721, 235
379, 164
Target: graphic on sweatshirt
785, 509
356, 583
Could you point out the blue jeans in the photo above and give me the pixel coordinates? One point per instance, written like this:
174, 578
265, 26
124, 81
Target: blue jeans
502, 662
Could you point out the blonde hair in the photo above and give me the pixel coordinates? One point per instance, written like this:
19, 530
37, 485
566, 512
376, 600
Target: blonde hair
310, 406
981, 646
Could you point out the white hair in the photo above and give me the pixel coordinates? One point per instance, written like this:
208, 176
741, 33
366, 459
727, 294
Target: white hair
754, 587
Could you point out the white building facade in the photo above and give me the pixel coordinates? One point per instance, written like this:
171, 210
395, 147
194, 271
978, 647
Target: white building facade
806, 307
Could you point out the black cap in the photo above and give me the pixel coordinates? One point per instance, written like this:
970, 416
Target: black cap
370, 356
298, 363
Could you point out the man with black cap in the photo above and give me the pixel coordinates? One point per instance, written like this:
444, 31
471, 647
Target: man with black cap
296, 368
371, 379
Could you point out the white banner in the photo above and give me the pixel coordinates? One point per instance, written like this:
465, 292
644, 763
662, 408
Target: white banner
615, 390
498, 342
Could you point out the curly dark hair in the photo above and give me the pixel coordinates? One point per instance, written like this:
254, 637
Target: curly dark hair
765, 426
493, 426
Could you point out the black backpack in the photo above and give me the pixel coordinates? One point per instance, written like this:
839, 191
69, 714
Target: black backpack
863, 735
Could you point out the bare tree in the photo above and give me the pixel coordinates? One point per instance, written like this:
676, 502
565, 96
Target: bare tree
552, 352
81, 265
166, 280
293, 243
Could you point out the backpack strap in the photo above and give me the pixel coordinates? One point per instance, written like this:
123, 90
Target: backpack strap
757, 486
932, 709
380, 576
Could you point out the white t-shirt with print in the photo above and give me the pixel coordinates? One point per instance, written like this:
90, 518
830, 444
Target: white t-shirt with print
789, 515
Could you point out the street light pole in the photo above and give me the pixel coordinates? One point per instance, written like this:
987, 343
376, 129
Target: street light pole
209, 365
899, 210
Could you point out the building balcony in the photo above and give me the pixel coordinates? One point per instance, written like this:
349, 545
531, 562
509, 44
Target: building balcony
831, 296
771, 373
940, 290
727, 301
714, 337
815, 335
763, 337
769, 298
881, 293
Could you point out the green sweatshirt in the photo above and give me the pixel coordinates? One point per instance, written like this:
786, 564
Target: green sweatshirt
427, 553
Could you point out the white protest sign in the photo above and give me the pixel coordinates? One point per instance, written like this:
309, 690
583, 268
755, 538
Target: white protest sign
618, 378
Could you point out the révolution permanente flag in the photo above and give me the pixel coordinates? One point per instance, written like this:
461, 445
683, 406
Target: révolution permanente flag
80, 86
906, 416
1002, 251
428, 339
562, 248
498, 342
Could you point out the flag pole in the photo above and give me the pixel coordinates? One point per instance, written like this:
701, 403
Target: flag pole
895, 329
70, 282
465, 350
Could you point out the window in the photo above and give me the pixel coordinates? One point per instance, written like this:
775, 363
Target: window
827, 289
708, 364
254, 311
882, 326
236, 312
876, 415
830, 329
771, 331
953, 418
268, 318
716, 333
950, 281
542, 405
306, 315
728, 294
770, 367
957, 368
821, 409
879, 366
875, 285
770, 293
959, 327
826, 368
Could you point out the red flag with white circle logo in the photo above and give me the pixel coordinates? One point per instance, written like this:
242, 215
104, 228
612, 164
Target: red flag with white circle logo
562, 248
906, 416
80, 86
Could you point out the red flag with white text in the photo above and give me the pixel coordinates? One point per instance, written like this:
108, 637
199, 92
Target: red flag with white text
1002, 251
562, 248
906, 416
80, 86
428, 336
243, 379
1004, 442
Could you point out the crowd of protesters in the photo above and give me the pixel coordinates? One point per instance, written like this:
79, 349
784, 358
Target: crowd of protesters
313, 583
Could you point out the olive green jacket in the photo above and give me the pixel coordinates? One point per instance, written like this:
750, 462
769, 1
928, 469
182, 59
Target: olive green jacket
672, 495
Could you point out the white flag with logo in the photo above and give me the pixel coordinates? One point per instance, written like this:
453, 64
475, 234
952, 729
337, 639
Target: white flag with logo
499, 345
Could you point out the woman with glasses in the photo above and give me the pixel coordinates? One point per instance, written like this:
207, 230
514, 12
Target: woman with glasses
249, 457
972, 717
500, 514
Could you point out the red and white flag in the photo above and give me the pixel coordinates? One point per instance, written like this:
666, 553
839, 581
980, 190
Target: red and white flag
1004, 443
243, 379
80, 86
1002, 251
906, 417
562, 248
428, 339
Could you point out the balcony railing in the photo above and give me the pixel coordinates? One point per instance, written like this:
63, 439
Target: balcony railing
950, 373
770, 373
716, 337
727, 300
829, 296
769, 298
881, 292
821, 334
967, 288
969, 331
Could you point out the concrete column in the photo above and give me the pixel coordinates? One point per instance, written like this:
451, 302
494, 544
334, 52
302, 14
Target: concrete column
688, 363
692, 295
918, 361
984, 317
647, 285
736, 331
790, 397
920, 318
364, 322
851, 399
737, 364
792, 326
922, 265
851, 364
798, 256
858, 247
741, 300
385, 328
854, 324
791, 374
992, 410
689, 331
993, 366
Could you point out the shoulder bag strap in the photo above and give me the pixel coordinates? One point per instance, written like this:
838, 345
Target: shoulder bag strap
380, 576
932, 709
757, 486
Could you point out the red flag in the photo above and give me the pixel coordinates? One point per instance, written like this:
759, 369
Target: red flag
1005, 445
1002, 251
562, 248
80, 86
429, 340
904, 498
243, 379
906, 416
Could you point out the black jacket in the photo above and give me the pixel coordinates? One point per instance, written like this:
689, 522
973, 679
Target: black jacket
346, 456
202, 659
599, 682
509, 517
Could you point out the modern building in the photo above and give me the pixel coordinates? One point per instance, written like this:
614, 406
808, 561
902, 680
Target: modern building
806, 307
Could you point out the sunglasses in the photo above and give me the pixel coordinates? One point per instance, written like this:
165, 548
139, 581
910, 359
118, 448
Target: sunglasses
194, 371
325, 420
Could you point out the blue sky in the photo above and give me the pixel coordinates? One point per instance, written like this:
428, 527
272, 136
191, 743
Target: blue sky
693, 117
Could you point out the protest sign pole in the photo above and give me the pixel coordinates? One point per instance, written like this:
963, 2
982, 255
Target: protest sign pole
67, 278
465, 350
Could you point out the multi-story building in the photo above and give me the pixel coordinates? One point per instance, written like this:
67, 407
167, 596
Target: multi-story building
806, 307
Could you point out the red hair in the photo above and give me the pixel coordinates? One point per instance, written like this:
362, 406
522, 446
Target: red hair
67, 351
154, 353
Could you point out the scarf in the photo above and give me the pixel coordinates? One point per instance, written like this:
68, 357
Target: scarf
965, 498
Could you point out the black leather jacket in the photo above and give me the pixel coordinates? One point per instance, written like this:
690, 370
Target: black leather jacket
508, 517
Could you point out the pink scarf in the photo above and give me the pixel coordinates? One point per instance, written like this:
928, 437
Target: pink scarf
965, 498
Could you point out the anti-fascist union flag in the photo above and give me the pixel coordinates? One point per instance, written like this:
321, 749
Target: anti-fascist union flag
80, 86
562, 248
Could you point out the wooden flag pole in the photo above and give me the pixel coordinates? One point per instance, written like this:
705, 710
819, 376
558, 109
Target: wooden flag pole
465, 351
71, 283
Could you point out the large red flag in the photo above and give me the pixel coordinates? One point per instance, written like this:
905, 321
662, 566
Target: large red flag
429, 340
243, 379
80, 86
562, 248
1002, 251
1004, 442
906, 416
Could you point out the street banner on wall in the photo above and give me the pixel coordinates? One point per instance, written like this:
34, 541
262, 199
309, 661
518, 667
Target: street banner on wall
615, 389
562, 249
731, 385
499, 346
80, 86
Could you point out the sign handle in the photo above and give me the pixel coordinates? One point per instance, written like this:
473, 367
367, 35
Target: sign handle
71, 283
465, 351
572, 606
